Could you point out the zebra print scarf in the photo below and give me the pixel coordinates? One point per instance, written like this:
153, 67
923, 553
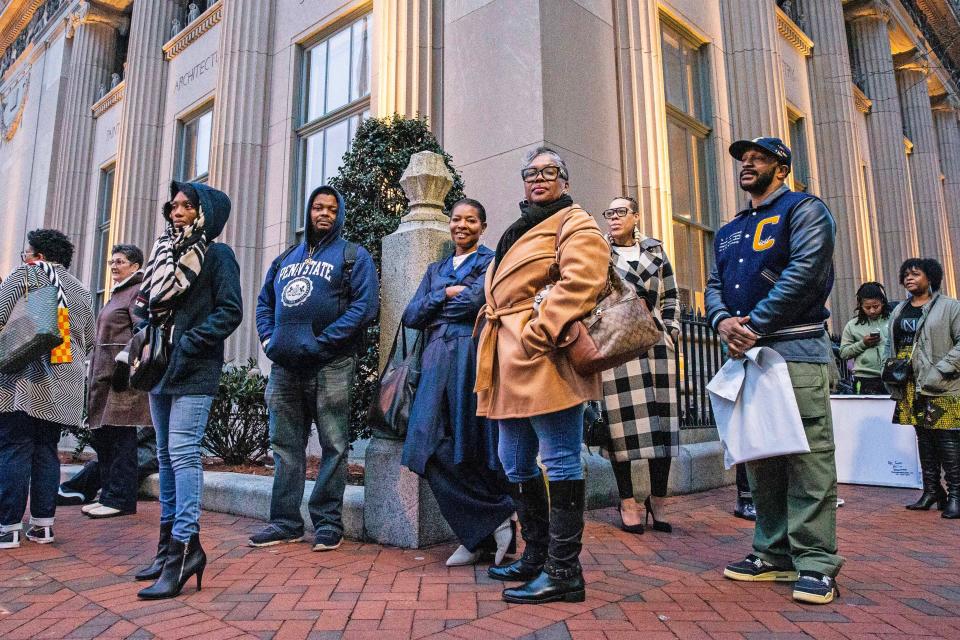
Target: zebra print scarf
175, 262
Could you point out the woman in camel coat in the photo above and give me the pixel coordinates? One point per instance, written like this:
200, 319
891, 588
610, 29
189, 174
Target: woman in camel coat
526, 382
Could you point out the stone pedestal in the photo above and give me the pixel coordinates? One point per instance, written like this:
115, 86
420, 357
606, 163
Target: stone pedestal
874, 69
399, 508
136, 207
932, 228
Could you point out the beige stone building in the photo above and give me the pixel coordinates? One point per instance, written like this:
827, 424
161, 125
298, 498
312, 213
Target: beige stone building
103, 102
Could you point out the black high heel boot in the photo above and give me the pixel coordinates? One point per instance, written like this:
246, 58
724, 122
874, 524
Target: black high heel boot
658, 525
933, 493
153, 571
561, 578
949, 450
182, 562
533, 511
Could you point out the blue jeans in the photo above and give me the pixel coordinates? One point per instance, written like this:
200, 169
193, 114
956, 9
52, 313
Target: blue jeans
180, 422
28, 466
556, 436
296, 400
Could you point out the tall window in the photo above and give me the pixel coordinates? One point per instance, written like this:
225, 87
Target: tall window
335, 98
798, 147
685, 81
102, 240
193, 163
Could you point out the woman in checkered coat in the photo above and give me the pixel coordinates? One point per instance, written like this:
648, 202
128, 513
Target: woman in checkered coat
46, 396
640, 397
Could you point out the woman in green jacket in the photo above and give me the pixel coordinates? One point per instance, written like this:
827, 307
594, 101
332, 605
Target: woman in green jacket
865, 337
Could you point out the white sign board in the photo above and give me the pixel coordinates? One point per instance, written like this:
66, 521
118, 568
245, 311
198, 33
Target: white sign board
871, 449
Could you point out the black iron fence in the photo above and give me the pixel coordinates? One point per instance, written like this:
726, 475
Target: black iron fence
699, 356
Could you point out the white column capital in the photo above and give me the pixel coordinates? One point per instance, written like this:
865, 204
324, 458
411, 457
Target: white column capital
912, 60
85, 13
867, 9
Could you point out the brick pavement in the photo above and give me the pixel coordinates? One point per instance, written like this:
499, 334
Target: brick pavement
902, 579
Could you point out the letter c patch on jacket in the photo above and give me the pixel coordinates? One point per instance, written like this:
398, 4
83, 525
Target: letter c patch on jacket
759, 244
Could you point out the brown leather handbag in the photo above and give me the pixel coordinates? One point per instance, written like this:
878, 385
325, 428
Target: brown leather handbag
619, 329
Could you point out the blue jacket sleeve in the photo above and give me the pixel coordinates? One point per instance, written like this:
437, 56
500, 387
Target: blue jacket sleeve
465, 305
812, 236
713, 298
427, 302
227, 307
363, 307
266, 303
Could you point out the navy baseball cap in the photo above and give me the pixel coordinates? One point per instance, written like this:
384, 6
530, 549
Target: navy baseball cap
773, 146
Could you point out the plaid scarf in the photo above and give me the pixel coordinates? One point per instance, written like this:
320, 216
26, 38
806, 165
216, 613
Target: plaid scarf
175, 262
62, 353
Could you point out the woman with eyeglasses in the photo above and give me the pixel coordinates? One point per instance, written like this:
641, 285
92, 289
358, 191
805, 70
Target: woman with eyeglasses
526, 382
113, 410
45, 396
640, 397
191, 285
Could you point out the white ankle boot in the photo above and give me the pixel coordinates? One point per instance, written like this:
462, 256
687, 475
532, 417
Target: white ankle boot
462, 557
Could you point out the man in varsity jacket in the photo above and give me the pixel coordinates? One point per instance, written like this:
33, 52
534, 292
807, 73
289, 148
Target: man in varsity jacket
773, 275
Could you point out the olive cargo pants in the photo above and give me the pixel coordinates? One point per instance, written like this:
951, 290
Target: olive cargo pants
796, 495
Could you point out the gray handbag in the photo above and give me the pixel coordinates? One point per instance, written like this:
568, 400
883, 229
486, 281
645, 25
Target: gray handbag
31, 331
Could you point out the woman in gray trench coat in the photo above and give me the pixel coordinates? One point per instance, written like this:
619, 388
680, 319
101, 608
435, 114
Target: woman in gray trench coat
640, 397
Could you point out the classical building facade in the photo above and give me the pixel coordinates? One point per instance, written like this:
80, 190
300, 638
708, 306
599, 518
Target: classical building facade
102, 103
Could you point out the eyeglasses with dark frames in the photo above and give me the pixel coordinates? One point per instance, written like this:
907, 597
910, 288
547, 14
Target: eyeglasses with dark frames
619, 212
549, 173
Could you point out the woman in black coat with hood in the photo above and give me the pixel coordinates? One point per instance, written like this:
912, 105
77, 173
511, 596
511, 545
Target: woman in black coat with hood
191, 283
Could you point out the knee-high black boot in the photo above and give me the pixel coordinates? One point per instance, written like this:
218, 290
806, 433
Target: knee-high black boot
153, 571
933, 493
561, 578
533, 511
184, 559
949, 450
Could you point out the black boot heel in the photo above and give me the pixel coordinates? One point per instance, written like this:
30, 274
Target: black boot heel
658, 525
183, 561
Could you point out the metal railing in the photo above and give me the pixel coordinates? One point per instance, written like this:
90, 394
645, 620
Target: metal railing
699, 356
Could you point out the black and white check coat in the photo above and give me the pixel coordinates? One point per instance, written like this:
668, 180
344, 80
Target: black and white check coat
640, 397
42, 390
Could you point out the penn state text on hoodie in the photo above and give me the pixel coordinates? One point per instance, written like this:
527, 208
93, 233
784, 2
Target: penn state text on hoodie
303, 317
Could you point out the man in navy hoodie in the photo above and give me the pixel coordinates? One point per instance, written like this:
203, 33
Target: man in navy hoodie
317, 300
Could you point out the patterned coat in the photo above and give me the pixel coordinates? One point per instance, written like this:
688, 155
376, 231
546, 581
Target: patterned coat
640, 397
53, 392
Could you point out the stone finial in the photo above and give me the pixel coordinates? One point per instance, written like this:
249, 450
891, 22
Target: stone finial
426, 182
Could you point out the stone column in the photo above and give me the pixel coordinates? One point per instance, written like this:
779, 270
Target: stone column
873, 67
238, 148
398, 507
93, 33
408, 48
753, 68
135, 206
931, 213
835, 130
643, 116
945, 119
